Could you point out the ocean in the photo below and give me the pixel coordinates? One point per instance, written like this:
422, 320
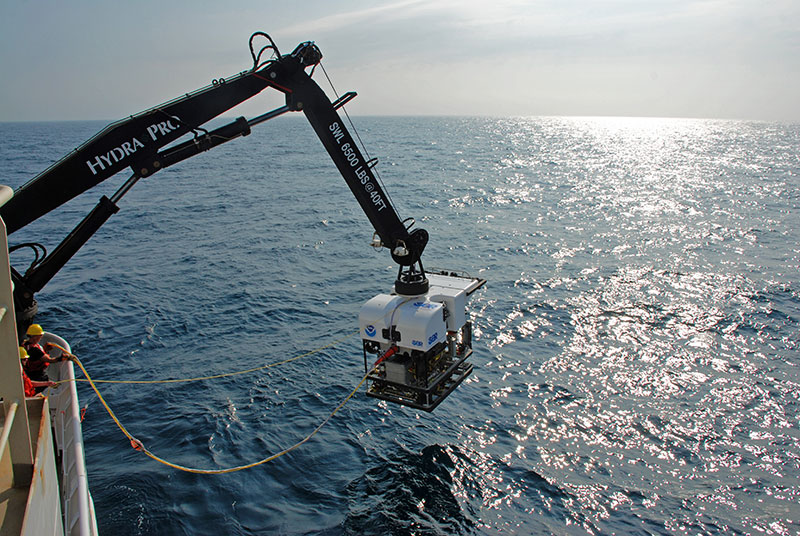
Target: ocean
636, 346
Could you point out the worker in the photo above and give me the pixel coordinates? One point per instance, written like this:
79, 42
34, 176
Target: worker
31, 387
38, 358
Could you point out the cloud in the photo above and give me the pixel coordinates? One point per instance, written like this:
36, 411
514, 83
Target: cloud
340, 21
421, 56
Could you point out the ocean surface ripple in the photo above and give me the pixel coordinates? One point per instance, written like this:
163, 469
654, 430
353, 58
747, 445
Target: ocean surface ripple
636, 346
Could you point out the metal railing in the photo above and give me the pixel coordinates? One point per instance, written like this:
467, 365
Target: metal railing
76, 500
9, 422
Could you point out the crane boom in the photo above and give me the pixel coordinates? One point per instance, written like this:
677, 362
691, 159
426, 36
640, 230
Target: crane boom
141, 142
150, 141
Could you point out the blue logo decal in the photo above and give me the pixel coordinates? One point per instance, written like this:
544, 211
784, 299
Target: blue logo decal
424, 305
370, 331
432, 338
416, 343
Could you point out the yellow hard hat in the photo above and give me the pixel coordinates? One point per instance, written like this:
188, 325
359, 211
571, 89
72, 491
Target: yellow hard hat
35, 329
22, 353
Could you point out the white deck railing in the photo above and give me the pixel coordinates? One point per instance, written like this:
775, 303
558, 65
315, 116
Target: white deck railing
7, 424
76, 500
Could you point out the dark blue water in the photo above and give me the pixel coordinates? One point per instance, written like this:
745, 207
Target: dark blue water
636, 347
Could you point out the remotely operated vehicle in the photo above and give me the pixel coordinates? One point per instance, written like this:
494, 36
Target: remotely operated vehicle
419, 335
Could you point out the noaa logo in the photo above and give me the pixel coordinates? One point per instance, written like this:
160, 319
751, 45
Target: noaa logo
424, 305
370, 331
416, 343
432, 338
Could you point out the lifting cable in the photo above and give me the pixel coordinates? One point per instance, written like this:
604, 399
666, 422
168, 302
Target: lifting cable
360, 141
139, 446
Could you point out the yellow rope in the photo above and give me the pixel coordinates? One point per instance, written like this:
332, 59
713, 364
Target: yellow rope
138, 445
216, 376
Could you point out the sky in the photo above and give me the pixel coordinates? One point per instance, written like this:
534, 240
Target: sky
730, 59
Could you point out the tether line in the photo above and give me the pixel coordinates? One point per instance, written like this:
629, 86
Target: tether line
139, 446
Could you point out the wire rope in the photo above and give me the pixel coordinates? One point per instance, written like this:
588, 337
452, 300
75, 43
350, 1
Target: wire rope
360, 142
